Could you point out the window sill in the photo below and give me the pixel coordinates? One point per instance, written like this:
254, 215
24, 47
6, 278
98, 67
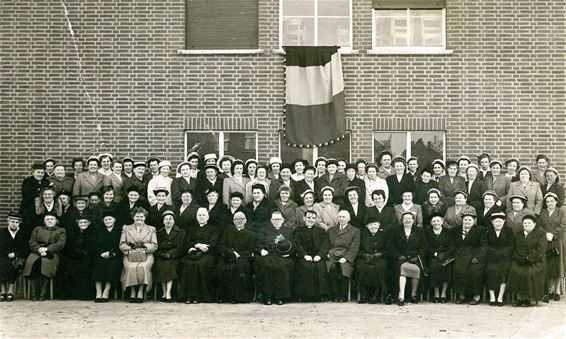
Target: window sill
409, 51
344, 51
219, 51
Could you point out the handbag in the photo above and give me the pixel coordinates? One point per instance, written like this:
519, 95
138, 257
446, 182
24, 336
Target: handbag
137, 256
18, 264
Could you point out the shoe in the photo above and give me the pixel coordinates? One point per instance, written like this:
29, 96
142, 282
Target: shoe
400, 302
414, 300
460, 301
280, 302
546, 298
2, 297
474, 302
41, 297
168, 300
556, 297
388, 300
132, 300
517, 303
188, 301
268, 302
10, 297
436, 300
443, 300
98, 300
195, 301
525, 303
163, 299
139, 300
499, 303
492, 303
103, 300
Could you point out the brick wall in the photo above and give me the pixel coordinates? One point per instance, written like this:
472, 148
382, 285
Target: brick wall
501, 91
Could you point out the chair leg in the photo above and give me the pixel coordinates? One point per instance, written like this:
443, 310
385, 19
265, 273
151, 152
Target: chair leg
51, 288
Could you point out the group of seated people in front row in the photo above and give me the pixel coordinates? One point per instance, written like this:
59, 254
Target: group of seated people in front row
289, 234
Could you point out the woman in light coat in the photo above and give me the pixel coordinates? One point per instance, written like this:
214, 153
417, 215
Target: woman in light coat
527, 188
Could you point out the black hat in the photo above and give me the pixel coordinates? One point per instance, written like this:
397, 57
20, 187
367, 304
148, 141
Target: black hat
192, 155
490, 192
211, 190
80, 198
436, 214
236, 194
399, 159
139, 164
372, 220
161, 189
518, 196
259, 186
133, 188
127, 159
351, 188
63, 192
350, 166
50, 214
305, 163
236, 162
284, 247
168, 212
331, 162
498, 215
464, 193
336, 253
286, 165
94, 193
214, 167
14, 215
49, 160
37, 166
153, 159
109, 213
530, 217
319, 159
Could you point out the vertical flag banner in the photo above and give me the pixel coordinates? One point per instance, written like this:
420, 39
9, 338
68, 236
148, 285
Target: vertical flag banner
315, 96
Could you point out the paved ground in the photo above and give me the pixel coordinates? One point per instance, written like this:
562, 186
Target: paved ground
65, 319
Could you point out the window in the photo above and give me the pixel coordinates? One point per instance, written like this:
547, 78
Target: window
425, 145
221, 24
337, 150
408, 26
239, 144
316, 23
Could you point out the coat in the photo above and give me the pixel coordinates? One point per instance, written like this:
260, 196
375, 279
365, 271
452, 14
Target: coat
468, 277
231, 185
65, 184
75, 272
203, 185
154, 217
30, 191
499, 251
428, 210
358, 218
387, 217
372, 262
310, 277
484, 217
124, 212
357, 182
515, 221
453, 218
448, 187
87, 183
396, 188
556, 188
417, 212
179, 185
187, 218
289, 212
500, 185
339, 182
411, 248
348, 238
107, 269
138, 273
475, 191
17, 245
421, 191
440, 248
533, 193
54, 239
134, 181
170, 247
219, 215
327, 214
117, 182
301, 186
556, 225
259, 216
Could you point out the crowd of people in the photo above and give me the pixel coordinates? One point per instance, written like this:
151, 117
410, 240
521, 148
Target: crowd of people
227, 230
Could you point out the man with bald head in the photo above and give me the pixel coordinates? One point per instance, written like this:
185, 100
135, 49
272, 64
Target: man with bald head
343, 243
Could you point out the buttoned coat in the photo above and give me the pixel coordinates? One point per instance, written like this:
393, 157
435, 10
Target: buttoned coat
289, 212
386, 217
87, 183
448, 187
358, 218
339, 182
453, 218
170, 247
396, 188
532, 191
65, 184
348, 238
117, 182
500, 184
555, 188
475, 192
54, 238
417, 213
231, 185
179, 185
138, 273
515, 221
468, 277
327, 214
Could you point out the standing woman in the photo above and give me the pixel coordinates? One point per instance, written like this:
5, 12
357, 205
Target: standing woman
433, 205
408, 206
499, 243
107, 204
440, 256
354, 181
107, 257
259, 210
155, 212
454, 213
162, 180
77, 164
193, 160
284, 178
298, 166
518, 211
46, 244
538, 175
89, 181
326, 210
498, 182
14, 249
236, 203
307, 183
424, 185
488, 207
186, 213
287, 207
105, 160
451, 183
260, 178
59, 181
511, 166
527, 278
553, 185
250, 168
116, 180
236, 183
138, 242
123, 212
170, 247
31, 186
372, 183
399, 182
355, 207
380, 212
527, 188
308, 205
384, 161
469, 260
407, 249
183, 183
553, 221
438, 169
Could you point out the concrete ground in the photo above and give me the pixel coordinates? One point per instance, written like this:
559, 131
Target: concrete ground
118, 319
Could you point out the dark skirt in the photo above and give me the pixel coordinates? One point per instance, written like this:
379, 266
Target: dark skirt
372, 274
467, 278
274, 276
235, 280
439, 274
496, 273
196, 277
75, 276
8, 273
553, 259
166, 269
528, 279
107, 270
311, 279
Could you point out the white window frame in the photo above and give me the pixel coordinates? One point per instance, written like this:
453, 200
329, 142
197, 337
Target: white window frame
342, 50
221, 140
408, 49
315, 148
408, 138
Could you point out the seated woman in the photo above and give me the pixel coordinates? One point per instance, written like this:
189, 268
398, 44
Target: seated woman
379, 211
198, 262
308, 199
371, 265
499, 243
407, 248
107, 257
234, 269
408, 206
236, 203
259, 210
45, 203
469, 260
14, 249
186, 212
123, 212
432, 205
440, 256
528, 188
46, 244
354, 206
311, 281
170, 247
107, 204
454, 213
138, 242
156, 211
287, 206
274, 261
488, 207
527, 275
518, 211
326, 210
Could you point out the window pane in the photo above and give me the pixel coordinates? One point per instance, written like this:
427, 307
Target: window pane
334, 32
298, 8
207, 142
337, 150
426, 27
427, 146
395, 142
334, 8
288, 154
391, 28
240, 145
298, 32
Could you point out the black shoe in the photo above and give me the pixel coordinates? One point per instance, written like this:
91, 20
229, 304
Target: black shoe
414, 300
460, 301
373, 300
400, 302
139, 300
436, 300
525, 303
546, 298
556, 297
132, 300
10, 297
517, 303
267, 302
280, 302
98, 300
103, 300
388, 300
499, 303
443, 300
363, 301
41, 297
2, 297
492, 303
474, 302
168, 300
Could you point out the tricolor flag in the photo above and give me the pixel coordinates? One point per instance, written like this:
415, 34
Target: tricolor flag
315, 96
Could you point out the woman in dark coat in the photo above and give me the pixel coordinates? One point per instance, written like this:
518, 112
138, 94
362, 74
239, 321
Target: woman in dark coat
46, 244
432, 205
355, 207
156, 211
553, 185
488, 207
218, 213
440, 256
186, 212
183, 183
380, 212
126, 206
170, 247
14, 249
199, 261
371, 265
107, 257
311, 281
46, 203
469, 260
31, 186
259, 210
451, 183
234, 270
407, 250
106, 205
527, 275
423, 186
235, 203
354, 181
286, 206
399, 182
76, 261
499, 242
553, 221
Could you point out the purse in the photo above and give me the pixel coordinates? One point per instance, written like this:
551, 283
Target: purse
137, 256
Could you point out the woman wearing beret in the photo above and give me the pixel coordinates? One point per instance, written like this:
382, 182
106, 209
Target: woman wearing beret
454, 213
326, 210
424, 185
107, 204
518, 211
399, 183
59, 181
170, 247
469, 260
234, 269
553, 221
14, 249
236, 203
138, 242
499, 243
186, 213
183, 183
372, 183
46, 244
488, 207
384, 214
451, 183
287, 207
123, 212
198, 261
527, 188
408, 206
433, 205
498, 182
89, 181
260, 178
107, 257
236, 183
440, 255
308, 182
553, 185
156, 211
527, 275
407, 250
162, 180
308, 199
209, 181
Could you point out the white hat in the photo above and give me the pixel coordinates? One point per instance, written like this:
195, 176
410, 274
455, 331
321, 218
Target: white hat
164, 163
